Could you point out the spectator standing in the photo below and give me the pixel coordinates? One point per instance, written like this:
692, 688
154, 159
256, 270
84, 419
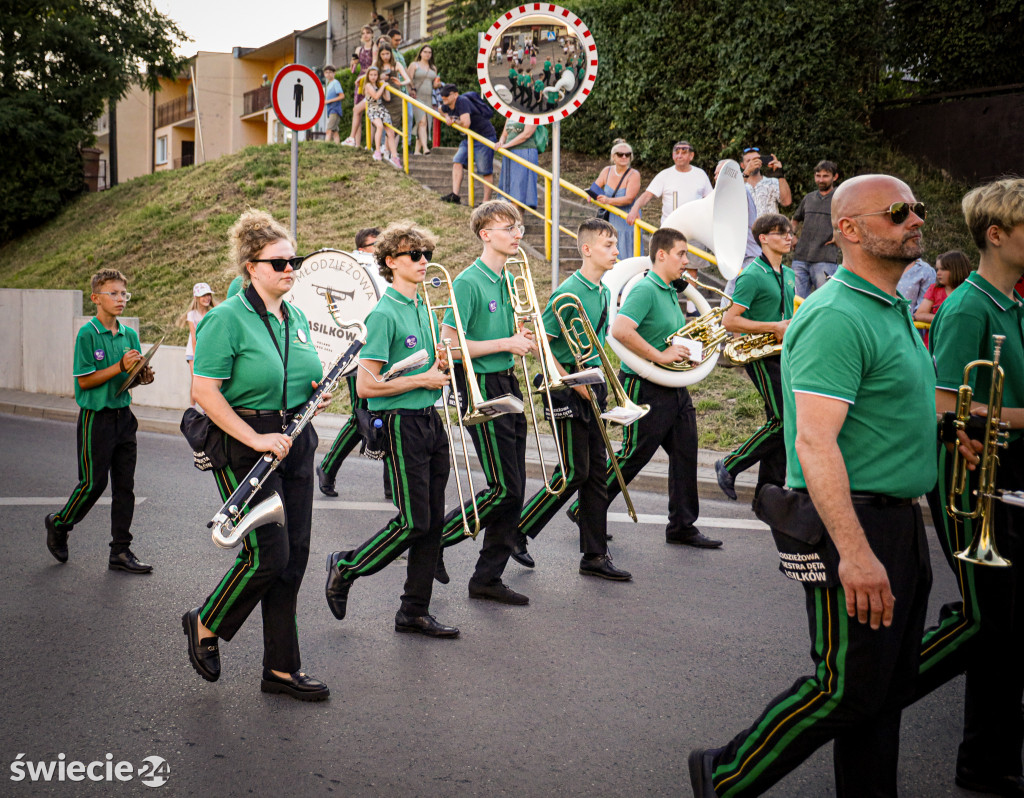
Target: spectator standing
333, 98
769, 192
470, 111
202, 301
675, 186
423, 75
620, 183
917, 279
816, 256
516, 180
951, 270
392, 75
366, 54
375, 89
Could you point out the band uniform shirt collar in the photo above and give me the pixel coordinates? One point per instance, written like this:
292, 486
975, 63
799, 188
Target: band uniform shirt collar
766, 267
101, 329
586, 283
656, 279
999, 299
397, 296
858, 283
250, 304
488, 271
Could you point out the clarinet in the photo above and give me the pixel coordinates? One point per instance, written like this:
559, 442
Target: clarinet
232, 522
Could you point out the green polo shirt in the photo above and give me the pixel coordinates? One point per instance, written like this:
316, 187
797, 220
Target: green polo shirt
547, 66
538, 85
654, 306
485, 307
856, 343
235, 287
594, 298
396, 328
233, 345
977, 311
96, 348
766, 294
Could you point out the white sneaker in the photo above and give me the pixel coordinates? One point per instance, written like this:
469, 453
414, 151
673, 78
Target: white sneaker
349, 142
396, 162
376, 155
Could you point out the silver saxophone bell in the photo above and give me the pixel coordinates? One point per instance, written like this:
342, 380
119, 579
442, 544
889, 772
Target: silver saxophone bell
227, 534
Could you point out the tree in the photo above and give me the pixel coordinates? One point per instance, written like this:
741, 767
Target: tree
60, 60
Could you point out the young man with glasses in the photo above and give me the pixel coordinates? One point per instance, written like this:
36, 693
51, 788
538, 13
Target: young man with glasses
762, 302
416, 459
105, 350
485, 308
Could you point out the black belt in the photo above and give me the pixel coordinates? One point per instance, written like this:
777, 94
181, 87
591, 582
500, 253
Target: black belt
249, 412
503, 373
876, 499
405, 411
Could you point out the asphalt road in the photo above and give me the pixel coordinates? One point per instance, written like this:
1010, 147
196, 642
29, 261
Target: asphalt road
595, 689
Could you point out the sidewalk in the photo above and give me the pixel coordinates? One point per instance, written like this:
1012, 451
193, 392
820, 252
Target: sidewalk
654, 476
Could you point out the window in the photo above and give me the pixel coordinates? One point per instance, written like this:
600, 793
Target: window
161, 150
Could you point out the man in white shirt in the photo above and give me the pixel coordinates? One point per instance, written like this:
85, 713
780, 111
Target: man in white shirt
675, 186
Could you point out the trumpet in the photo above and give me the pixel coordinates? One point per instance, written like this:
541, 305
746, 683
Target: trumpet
982, 550
583, 342
748, 348
443, 280
527, 310
706, 329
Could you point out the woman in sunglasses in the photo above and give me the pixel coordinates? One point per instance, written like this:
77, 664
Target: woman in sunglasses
620, 183
255, 365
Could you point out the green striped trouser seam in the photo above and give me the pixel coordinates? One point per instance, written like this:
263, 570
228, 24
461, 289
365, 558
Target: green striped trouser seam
830, 675
343, 442
764, 387
542, 500
394, 534
86, 466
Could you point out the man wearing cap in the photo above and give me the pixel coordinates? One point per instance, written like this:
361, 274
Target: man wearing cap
471, 111
676, 185
334, 96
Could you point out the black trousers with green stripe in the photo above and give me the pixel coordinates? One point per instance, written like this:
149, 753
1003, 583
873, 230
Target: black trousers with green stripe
583, 452
670, 424
106, 445
272, 561
983, 634
501, 448
861, 681
347, 438
417, 463
767, 445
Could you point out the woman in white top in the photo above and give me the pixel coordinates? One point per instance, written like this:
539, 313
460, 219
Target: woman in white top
202, 301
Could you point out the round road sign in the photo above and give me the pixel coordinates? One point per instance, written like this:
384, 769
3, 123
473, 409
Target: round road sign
298, 97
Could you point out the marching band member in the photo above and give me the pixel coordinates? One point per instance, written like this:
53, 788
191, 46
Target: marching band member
255, 367
762, 303
415, 443
579, 432
984, 633
649, 315
486, 309
858, 387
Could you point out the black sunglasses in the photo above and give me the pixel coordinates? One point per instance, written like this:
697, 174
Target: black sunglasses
899, 211
278, 264
416, 254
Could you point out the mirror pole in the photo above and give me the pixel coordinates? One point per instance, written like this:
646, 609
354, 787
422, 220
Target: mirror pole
556, 173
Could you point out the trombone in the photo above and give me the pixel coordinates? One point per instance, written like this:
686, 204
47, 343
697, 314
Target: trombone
527, 310
982, 550
442, 280
583, 342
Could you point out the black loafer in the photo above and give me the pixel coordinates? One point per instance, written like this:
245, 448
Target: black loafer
601, 565
726, 481
126, 561
424, 625
701, 764
697, 540
990, 784
56, 540
203, 654
521, 555
325, 482
297, 685
499, 592
336, 588
440, 572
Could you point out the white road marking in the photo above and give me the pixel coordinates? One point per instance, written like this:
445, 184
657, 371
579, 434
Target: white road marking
718, 523
43, 501
330, 504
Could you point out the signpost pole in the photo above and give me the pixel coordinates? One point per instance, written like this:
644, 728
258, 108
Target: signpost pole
295, 181
556, 175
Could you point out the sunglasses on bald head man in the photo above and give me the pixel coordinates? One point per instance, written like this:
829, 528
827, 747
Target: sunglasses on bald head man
899, 212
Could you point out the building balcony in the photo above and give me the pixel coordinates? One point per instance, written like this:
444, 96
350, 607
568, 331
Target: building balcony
256, 100
174, 111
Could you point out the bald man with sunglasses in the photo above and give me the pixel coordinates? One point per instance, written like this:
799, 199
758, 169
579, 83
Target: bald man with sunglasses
860, 431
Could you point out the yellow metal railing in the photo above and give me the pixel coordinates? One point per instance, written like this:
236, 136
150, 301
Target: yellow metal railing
545, 215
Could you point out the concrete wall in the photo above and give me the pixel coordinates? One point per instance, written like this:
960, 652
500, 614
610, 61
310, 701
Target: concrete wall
39, 358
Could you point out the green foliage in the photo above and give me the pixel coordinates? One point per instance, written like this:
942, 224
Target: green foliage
472, 14
59, 63
957, 44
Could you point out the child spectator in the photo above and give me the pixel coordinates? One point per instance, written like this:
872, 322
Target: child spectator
951, 269
202, 301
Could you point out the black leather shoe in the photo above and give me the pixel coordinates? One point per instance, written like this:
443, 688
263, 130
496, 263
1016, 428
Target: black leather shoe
520, 554
336, 588
126, 561
499, 592
697, 540
701, 763
203, 654
574, 517
56, 540
326, 483
990, 784
601, 565
726, 481
424, 625
297, 685
440, 572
